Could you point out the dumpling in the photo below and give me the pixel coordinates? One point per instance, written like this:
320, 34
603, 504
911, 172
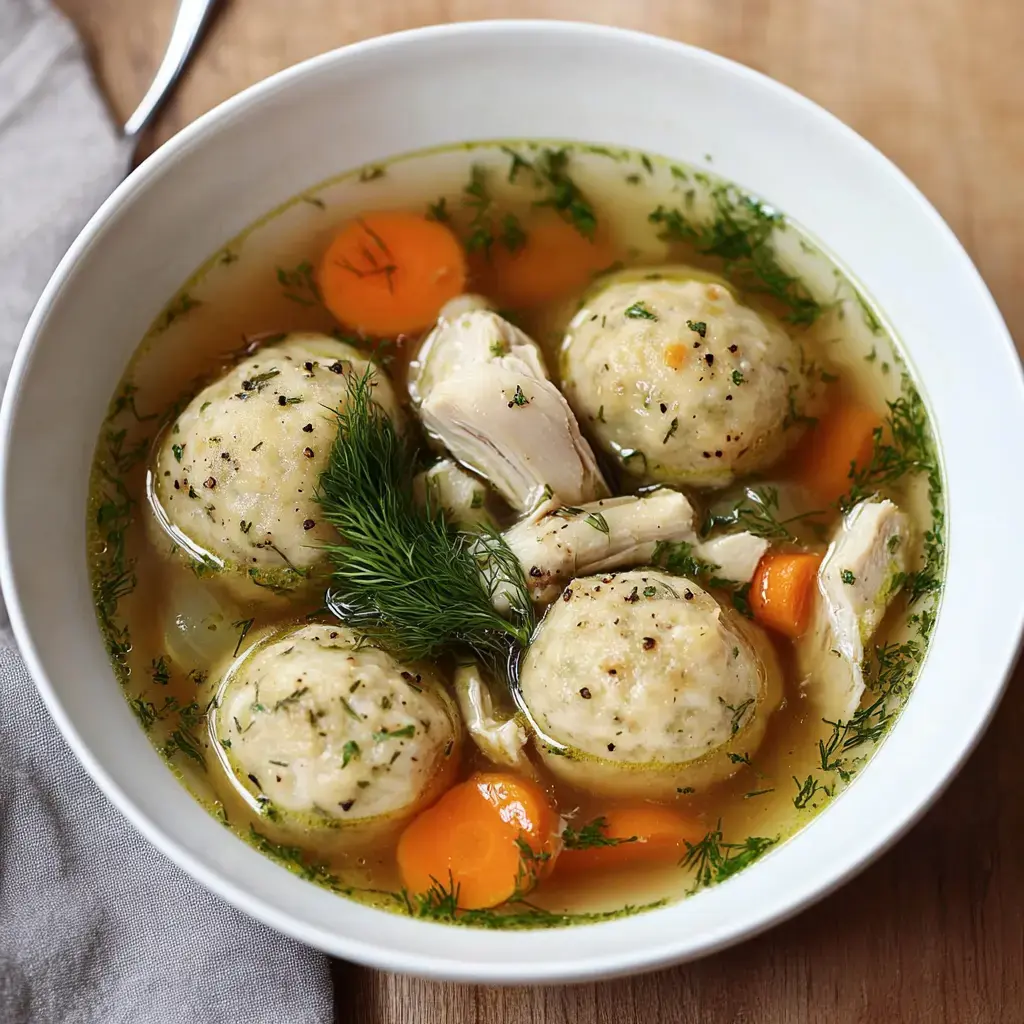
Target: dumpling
642, 684
482, 390
234, 478
682, 383
322, 731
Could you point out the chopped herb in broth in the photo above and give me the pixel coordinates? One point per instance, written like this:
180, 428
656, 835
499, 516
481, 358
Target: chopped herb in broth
453, 558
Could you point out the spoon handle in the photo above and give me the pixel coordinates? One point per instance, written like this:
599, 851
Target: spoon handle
189, 22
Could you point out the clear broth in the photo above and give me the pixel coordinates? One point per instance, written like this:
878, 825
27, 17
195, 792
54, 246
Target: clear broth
239, 295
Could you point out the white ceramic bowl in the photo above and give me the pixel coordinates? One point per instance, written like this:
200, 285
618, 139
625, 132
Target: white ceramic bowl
499, 80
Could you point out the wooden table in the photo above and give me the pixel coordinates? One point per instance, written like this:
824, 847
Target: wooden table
934, 932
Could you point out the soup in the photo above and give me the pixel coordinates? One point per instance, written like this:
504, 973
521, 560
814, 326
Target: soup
518, 535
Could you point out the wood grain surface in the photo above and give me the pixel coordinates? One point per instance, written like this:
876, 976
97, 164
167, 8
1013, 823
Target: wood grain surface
933, 932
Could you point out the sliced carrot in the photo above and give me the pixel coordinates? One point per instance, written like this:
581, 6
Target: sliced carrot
554, 261
623, 836
675, 356
489, 837
782, 590
838, 444
390, 273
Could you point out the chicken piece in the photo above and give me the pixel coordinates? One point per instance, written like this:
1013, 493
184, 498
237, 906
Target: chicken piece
860, 575
735, 554
482, 390
555, 546
462, 495
500, 738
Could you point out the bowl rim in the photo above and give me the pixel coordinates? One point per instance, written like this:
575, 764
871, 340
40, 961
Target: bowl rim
368, 952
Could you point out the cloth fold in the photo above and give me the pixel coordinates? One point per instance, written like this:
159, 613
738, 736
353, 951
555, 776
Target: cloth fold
96, 926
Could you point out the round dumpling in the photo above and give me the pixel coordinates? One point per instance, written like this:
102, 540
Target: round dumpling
641, 683
681, 382
322, 730
235, 476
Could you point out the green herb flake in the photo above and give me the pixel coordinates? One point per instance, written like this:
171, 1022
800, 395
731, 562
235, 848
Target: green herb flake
698, 326
598, 522
713, 861
739, 232
439, 211
638, 311
593, 835
299, 284
552, 171
406, 732
160, 672
738, 378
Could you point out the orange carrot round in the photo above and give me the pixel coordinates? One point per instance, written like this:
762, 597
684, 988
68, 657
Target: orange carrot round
554, 261
841, 442
489, 837
624, 836
390, 273
782, 590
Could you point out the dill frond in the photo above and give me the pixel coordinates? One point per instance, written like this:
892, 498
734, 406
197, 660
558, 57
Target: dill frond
403, 577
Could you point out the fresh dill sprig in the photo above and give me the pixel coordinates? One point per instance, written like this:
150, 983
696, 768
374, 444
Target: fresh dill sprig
806, 791
757, 513
593, 834
403, 577
739, 233
552, 170
294, 859
713, 861
441, 903
677, 557
299, 284
889, 675
485, 228
902, 447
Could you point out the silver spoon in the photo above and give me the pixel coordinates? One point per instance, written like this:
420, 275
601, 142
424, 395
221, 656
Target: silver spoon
191, 19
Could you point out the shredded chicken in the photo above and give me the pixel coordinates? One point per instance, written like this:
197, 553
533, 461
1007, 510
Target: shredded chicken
482, 391
500, 738
555, 546
859, 577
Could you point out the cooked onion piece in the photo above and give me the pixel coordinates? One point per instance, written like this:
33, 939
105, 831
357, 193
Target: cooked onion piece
234, 478
860, 575
682, 382
643, 684
322, 732
482, 390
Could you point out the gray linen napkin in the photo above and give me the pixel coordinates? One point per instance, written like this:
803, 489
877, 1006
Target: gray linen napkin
96, 926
